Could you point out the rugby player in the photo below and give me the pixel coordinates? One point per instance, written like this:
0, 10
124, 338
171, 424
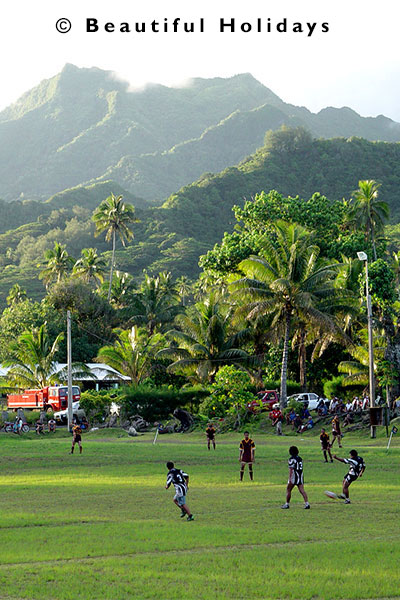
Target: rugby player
180, 480
325, 445
246, 455
295, 463
356, 470
77, 438
210, 433
336, 431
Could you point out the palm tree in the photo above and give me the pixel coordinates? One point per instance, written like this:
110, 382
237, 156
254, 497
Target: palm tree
122, 288
59, 264
288, 284
90, 267
357, 370
156, 303
132, 353
16, 294
32, 359
396, 268
204, 342
184, 287
368, 211
114, 217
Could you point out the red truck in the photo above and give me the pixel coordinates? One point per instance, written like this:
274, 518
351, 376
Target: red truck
53, 397
266, 400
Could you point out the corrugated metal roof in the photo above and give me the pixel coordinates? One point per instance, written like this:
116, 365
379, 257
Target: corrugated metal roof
99, 371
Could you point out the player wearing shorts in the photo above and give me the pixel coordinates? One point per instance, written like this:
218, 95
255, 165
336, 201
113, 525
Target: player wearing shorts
246, 455
336, 432
210, 433
296, 477
356, 470
180, 480
325, 445
77, 438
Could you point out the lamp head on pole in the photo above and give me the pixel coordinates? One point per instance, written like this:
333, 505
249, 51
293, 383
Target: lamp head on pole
362, 256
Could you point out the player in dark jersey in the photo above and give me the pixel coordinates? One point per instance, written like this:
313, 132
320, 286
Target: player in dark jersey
325, 445
246, 455
295, 463
210, 433
356, 470
180, 481
77, 438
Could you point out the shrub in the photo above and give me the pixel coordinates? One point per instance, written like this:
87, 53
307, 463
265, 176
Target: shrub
231, 388
97, 404
334, 387
213, 407
297, 406
154, 403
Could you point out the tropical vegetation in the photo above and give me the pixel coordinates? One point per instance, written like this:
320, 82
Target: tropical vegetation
281, 295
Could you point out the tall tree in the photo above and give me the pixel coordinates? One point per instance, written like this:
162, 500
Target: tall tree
184, 287
114, 217
287, 283
16, 295
90, 267
59, 264
204, 341
155, 305
133, 353
368, 212
122, 289
32, 359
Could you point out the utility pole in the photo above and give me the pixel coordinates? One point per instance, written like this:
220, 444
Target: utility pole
370, 351
363, 257
69, 369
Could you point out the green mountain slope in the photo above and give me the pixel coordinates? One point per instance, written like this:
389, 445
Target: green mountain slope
74, 126
84, 126
22, 212
192, 220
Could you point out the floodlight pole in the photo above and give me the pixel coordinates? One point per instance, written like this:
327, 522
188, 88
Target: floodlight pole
69, 370
363, 256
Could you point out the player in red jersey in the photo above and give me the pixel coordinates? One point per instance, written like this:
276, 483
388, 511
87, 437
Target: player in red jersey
210, 433
246, 455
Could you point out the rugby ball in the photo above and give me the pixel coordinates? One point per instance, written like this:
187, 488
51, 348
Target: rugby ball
331, 495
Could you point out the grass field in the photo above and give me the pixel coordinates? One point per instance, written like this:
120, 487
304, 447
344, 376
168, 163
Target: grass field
101, 525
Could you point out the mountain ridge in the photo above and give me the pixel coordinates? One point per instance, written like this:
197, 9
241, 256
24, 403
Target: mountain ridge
85, 126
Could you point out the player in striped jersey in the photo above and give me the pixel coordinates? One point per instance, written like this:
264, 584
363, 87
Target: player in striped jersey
356, 469
180, 481
295, 463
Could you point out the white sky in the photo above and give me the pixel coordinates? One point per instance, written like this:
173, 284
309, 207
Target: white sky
356, 64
